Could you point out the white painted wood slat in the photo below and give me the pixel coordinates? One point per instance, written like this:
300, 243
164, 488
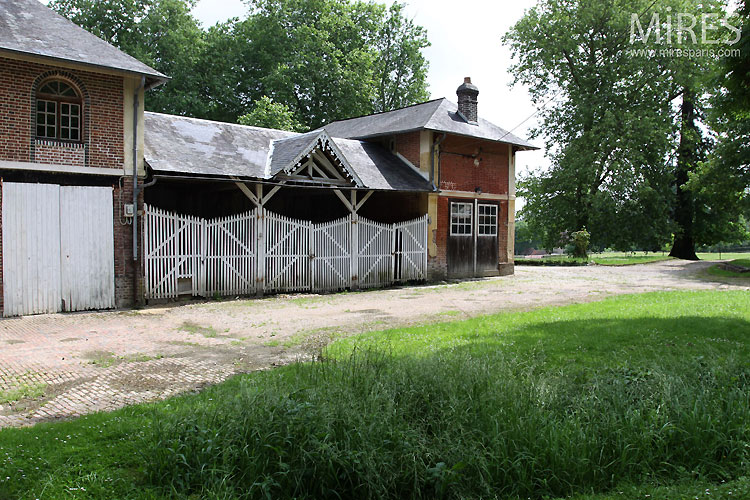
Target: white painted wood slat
87, 248
260, 251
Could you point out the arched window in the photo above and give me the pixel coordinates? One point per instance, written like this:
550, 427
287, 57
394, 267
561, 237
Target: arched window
58, 112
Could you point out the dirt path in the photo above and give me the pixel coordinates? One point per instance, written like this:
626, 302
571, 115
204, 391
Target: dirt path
63, 365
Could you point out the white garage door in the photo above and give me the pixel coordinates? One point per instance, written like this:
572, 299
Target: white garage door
58, 248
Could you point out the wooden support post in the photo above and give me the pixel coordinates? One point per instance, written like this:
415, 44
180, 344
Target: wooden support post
202, 286
475, 223
355, 241
260, 228
246, 191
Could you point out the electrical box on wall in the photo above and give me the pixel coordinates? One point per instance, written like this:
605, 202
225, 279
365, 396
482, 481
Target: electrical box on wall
128, 209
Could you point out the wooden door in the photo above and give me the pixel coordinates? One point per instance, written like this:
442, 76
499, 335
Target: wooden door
31, 249
87, 247
485, 224
58, 248
461, 238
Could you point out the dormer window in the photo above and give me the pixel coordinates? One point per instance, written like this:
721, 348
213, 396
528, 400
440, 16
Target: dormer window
58, 112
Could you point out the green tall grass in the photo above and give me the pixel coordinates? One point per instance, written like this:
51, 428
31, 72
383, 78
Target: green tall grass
456, 425
634, 396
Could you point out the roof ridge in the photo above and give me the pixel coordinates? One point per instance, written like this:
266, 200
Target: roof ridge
385, 112
253, 127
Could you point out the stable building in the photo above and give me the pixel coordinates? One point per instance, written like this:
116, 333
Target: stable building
105, 205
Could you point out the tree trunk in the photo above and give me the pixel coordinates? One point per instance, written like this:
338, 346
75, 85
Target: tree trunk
684, 209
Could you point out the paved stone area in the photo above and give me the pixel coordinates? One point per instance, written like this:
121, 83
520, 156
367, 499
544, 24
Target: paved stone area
65, 365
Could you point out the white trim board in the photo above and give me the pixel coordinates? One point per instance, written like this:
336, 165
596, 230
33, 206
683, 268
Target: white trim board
472, 194
60, 169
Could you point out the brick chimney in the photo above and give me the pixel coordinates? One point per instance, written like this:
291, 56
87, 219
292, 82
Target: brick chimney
467, 100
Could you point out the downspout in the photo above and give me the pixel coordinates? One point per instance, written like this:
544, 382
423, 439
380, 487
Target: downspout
436, 144
136, 108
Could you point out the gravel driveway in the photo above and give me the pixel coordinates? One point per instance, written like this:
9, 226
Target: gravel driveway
65, 365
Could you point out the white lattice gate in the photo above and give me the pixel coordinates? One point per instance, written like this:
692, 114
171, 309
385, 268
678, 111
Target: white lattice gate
410, 250
229, 249
260, 251
375, 253
331, 255
287, 256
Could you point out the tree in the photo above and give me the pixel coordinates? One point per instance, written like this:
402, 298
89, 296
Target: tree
160, 33
323, 60
607, 124
331, 59
400, 68
622, 150
269, 114
725, 178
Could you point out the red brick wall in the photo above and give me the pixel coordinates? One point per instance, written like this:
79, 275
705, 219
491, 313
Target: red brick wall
458, 171
46, 151
408, 146
126, 270
102, 115
103, 143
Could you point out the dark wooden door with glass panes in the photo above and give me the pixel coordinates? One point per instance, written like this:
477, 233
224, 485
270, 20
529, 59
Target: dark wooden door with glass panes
486, 226
472, 238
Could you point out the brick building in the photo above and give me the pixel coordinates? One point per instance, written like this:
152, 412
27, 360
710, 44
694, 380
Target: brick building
67, 137
423, 192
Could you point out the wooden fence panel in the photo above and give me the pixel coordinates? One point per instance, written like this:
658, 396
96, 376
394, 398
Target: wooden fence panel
331, 255
230, 255
260, 251
375, 253
410, 250
287, 253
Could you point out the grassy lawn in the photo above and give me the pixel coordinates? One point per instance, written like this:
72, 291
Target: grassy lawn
602, 259
722, 255
630, 397
717, 270
620, 258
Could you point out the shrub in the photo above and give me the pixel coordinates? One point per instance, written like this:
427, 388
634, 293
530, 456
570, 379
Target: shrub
579, 244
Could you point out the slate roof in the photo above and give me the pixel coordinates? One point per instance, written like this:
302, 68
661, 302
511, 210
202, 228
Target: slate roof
28, 27
440, 115
178, 145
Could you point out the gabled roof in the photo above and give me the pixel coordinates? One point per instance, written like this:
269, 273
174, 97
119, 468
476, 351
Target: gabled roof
28, 27
177, 145
440, 115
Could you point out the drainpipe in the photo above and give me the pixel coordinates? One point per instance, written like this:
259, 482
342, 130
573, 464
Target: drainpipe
136, 108
435, 144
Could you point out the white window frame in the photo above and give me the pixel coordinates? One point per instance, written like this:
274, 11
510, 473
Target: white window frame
487, 219
463, 220
71, 116
43, 119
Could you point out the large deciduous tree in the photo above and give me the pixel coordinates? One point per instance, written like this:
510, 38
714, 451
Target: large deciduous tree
160, 33
321, 59
621, 121
725, 178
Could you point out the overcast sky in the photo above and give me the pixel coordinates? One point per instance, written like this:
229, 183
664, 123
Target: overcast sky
466, 41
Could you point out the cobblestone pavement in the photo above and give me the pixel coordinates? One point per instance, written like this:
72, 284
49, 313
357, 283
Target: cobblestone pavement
65, 365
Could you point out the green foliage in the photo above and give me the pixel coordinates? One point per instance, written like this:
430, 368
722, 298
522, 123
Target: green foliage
525, 238
322, 60
269, 114
621, 156
579, 242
